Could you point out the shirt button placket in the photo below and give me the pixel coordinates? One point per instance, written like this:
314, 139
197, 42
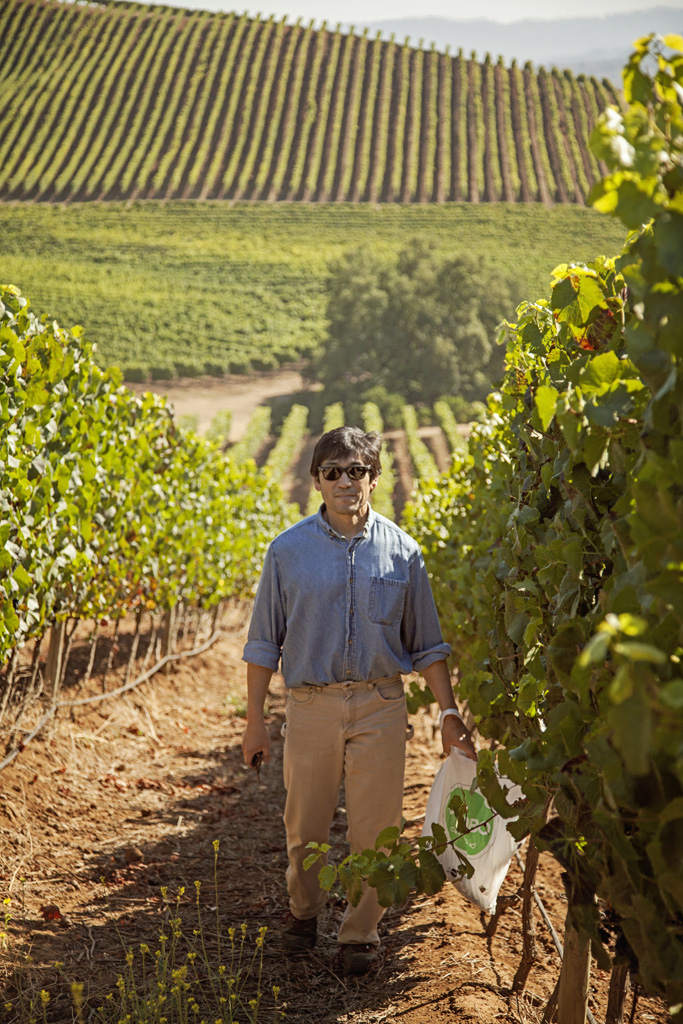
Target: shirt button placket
351, 666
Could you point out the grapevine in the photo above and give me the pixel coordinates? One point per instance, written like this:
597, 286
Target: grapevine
398, 127
288, 99
425, 466
250, 75
332, 418
288, 444
332, 149
376, 135
555, 547
220, 121
254, 436
444, 415
263, 122
302, 132
351, 124
318, 112
142, 100
107, 506
382, 496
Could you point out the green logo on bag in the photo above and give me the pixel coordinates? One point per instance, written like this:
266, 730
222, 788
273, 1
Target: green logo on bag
478, 819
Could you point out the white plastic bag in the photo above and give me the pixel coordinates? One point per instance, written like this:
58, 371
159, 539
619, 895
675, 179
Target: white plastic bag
489, 848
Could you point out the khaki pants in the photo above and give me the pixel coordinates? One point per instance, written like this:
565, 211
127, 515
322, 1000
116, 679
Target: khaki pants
356, 731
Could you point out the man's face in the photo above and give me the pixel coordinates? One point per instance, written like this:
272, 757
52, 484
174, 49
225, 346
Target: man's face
344, 496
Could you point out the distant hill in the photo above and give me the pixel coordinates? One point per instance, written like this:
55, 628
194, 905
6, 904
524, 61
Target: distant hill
121, 100
596, 45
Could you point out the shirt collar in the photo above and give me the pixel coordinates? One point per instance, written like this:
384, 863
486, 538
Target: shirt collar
325, 526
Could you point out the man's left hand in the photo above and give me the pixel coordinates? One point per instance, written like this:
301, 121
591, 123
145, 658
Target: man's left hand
454, 733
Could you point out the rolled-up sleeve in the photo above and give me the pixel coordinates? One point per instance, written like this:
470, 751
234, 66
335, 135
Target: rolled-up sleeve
421, 629
268, 621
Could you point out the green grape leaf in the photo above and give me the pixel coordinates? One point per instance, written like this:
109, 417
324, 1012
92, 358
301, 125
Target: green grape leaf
327, 876
387, 837
545, 400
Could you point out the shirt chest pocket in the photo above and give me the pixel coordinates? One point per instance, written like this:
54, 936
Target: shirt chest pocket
387, 600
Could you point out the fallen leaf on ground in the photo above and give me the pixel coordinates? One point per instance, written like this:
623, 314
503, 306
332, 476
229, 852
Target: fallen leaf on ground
51, 912
149, 784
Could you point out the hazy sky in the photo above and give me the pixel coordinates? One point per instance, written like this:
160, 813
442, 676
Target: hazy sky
358, 11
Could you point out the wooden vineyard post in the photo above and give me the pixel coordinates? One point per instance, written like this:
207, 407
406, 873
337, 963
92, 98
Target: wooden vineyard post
8, 680
66, 653
93, 647
216, 617
168, 637
110, 656
134, 646
572, 1000
55, 654
619, 985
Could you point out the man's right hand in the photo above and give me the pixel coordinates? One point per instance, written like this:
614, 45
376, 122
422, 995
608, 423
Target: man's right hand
454, 733
256, 737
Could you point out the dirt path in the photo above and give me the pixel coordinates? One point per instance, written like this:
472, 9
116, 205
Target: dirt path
100, 813
204, 397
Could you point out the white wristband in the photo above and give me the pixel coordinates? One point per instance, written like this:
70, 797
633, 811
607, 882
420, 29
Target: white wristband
446, 712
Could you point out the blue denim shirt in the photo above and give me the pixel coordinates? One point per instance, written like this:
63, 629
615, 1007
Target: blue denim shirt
336, 610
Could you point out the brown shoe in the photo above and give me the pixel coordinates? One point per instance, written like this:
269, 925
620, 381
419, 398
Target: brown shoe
298, 936
358, 958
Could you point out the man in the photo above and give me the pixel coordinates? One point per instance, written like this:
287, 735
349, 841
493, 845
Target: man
345, 601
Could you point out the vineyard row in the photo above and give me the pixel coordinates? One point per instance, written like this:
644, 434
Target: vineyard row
129, 101
111, 506
408, 457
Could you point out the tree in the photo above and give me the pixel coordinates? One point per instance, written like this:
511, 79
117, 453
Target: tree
417, 325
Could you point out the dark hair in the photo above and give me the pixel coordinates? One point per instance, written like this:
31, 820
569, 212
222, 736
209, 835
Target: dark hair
345, 441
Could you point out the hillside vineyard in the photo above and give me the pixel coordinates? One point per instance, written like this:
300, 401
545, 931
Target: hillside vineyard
125, 101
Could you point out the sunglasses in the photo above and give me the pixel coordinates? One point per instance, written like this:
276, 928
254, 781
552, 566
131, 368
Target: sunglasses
354, 472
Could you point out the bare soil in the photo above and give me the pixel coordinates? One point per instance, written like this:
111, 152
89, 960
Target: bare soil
100, 812
204, 397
